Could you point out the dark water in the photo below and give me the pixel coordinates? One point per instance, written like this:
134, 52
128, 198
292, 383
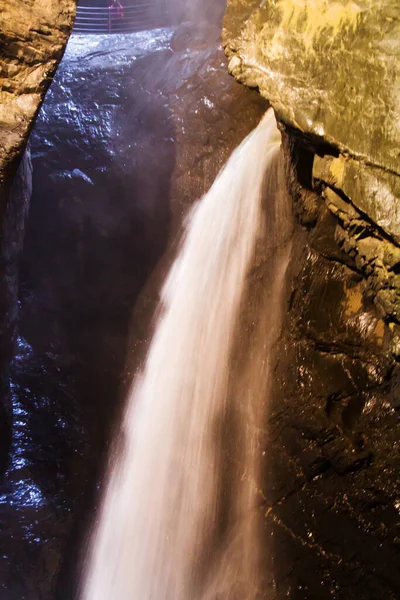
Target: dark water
47, 450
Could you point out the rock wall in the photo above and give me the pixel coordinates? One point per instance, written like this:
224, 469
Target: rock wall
10, 252
330, 480
330, 70
33, 36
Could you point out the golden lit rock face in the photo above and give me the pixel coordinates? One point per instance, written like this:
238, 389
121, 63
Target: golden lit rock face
331, 71
33, 35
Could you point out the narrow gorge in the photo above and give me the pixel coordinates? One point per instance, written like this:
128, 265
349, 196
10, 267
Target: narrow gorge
230, 430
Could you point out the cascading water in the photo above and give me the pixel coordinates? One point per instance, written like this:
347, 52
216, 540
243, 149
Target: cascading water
161, 508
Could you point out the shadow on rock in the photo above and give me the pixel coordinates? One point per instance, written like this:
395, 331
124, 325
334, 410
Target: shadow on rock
99, 221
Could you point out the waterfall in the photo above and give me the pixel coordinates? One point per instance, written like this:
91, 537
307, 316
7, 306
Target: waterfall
162, 503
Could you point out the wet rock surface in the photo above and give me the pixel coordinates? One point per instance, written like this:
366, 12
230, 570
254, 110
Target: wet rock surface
11, 244
33, 36
133, 131
331, 486
331, 481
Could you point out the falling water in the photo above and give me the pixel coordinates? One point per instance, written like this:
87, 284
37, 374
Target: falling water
161, 507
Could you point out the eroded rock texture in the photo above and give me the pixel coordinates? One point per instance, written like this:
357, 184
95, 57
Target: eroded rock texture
331, 72
10, 252
331, 490
332, 468
33, 35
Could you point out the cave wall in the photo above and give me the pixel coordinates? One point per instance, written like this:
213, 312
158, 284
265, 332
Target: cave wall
10, 252
331, 479
33, 36
330, 70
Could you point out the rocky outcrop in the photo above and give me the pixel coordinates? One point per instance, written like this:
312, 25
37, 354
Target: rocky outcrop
330, 485
331, 72
33, 36
10, 252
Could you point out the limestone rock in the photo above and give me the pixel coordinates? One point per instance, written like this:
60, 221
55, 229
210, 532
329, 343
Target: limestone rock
33, 35
330, 479
331, 72
11, 244
371, 190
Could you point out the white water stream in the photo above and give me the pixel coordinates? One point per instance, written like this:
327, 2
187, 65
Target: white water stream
161, 502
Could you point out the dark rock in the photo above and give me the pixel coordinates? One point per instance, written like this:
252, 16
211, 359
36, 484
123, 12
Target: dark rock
33, 36
13, 227
330, 486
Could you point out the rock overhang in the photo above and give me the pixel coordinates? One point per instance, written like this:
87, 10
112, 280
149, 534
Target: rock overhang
331, 72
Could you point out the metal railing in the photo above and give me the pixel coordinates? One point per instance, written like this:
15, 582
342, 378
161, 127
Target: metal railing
128, 19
